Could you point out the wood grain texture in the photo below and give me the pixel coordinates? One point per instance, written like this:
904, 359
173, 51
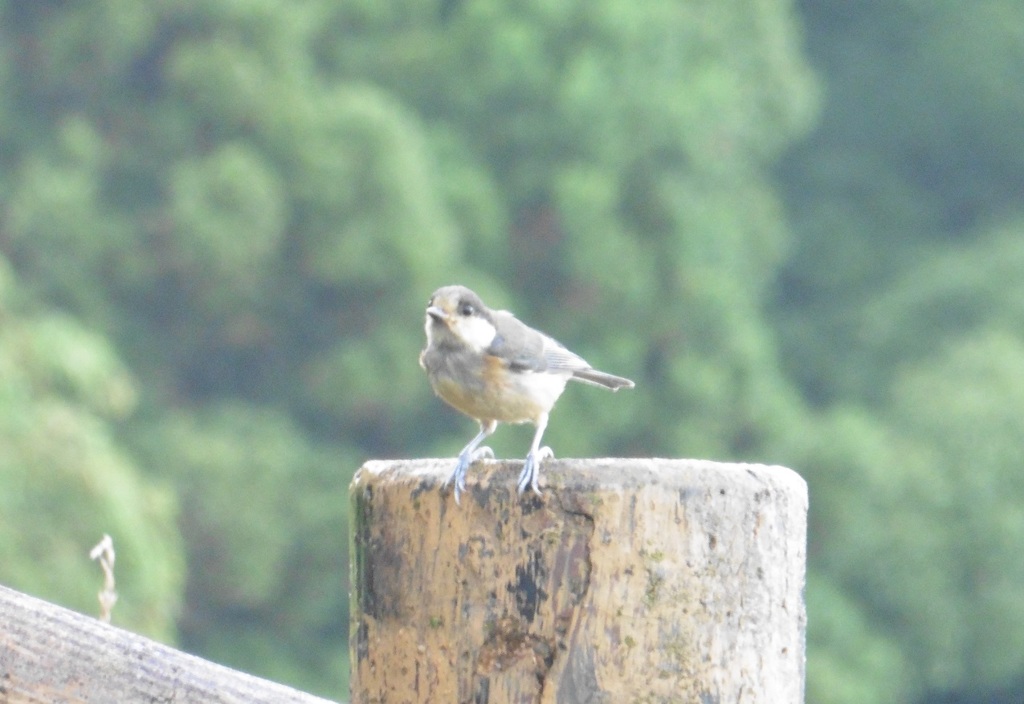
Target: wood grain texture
627, 581
50, 655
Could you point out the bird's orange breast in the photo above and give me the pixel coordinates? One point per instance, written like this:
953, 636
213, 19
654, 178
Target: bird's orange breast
491, 391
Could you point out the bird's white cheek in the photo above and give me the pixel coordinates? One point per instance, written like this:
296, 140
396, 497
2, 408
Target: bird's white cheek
476, 332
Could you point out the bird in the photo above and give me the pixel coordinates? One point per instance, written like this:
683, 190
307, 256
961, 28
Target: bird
495, 369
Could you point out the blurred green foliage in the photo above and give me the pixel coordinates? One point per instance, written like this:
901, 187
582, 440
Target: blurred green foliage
796, 225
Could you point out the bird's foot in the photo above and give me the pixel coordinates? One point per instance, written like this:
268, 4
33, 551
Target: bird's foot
530, 475
466, 458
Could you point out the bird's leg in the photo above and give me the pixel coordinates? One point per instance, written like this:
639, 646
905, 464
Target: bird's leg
531, 468
470, 454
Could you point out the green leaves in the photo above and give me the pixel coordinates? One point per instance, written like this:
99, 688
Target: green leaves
263, 517
900, 312
67, 479
964, 404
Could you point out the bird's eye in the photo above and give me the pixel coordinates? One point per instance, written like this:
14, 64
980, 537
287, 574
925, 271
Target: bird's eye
467, 309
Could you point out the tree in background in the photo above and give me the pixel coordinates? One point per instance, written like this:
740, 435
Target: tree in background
900, 313
65, 478
231, 222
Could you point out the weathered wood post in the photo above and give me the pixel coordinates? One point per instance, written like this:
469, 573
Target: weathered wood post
627, 581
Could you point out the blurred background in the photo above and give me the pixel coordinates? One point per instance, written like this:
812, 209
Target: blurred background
798, 225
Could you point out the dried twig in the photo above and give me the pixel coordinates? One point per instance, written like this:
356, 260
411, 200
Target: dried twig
104, 552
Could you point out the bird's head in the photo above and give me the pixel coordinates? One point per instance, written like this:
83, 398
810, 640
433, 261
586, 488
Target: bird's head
457, 315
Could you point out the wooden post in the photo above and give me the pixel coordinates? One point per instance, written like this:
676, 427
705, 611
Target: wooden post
628, 581
50, 655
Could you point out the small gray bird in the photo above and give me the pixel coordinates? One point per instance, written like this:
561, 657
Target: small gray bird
488, 365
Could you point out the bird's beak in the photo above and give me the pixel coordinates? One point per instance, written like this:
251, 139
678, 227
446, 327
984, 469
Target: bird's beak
437, 314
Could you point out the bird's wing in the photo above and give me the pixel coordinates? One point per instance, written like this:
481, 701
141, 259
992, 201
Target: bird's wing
526, 349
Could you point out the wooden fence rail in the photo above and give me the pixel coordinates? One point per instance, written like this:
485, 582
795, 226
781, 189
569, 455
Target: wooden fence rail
51, 655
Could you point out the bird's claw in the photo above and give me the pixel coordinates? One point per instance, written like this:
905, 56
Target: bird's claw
466, 458
530, 475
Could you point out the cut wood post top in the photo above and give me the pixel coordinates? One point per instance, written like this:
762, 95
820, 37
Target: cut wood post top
576, 474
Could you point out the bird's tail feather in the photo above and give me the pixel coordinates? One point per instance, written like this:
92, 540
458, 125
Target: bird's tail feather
602, 379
